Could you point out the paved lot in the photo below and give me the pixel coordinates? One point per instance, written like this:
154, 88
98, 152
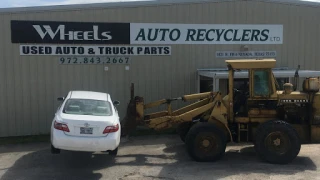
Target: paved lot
152, 157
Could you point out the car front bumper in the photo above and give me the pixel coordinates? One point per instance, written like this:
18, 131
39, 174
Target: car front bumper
89, 144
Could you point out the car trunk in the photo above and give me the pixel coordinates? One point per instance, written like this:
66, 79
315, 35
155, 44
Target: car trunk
86, 125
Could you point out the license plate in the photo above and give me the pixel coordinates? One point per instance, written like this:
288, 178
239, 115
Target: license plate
84, 130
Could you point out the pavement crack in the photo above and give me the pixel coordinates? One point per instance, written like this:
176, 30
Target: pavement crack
139, 176
158, 177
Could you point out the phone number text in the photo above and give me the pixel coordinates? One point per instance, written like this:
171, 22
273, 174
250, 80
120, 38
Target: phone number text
94, 60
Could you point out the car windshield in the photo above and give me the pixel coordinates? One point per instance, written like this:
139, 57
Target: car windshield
87, 107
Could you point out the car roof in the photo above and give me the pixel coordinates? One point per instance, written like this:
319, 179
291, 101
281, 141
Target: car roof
88, 95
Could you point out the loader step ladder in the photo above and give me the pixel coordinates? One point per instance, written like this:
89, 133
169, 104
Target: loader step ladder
243, 127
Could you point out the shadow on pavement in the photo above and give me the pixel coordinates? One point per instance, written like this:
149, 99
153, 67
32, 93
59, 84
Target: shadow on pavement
22, 147
246, 157
174, 162
236, 161
43, 165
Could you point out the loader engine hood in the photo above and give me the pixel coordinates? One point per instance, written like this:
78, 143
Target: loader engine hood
293, 97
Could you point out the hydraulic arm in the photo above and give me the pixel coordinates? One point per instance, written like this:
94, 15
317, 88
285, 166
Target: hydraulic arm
208, 107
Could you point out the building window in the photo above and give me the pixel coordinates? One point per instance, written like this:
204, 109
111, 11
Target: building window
261, 83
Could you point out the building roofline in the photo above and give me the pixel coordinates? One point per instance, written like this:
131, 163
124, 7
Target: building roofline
139, 3
124, 4
293, 2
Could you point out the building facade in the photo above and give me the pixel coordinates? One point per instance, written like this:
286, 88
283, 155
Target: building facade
158, 45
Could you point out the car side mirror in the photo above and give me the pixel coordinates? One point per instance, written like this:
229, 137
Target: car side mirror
116, 103
60, 98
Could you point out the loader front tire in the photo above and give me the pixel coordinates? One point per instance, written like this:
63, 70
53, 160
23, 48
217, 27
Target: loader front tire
277, 142
206, 142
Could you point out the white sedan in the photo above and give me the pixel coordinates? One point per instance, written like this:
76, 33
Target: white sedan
86, 121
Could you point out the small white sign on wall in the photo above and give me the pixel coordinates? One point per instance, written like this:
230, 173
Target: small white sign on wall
245, 54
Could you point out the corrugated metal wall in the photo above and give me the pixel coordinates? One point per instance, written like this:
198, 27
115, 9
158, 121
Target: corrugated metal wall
30, 84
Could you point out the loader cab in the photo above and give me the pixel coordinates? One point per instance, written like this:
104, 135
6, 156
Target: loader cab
261, 96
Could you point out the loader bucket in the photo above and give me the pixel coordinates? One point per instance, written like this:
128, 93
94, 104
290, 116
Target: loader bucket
129, 122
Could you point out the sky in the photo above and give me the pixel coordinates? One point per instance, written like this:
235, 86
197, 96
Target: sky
28, 3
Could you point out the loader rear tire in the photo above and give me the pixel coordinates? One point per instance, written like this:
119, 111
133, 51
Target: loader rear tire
206, 142
277, 142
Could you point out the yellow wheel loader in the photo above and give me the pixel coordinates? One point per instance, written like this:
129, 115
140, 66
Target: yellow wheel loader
276, 121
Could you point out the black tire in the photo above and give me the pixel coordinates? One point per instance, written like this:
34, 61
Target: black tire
54, 150
183, 129
113, 152
277, 142
203, 132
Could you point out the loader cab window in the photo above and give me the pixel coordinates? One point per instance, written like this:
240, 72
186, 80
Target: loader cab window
261, 83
